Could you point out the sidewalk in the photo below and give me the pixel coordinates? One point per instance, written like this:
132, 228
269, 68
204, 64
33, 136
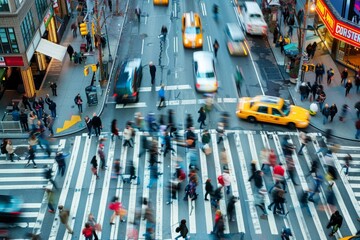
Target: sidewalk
335, 92
70, 79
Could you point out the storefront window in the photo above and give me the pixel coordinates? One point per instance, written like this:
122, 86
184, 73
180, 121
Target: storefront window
325, 36
4, 6
41, 6
27, 29
350, 55
8, 43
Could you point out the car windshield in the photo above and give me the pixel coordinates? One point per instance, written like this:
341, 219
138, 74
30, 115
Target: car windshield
205, 74
256, 16
192, 30
286, 108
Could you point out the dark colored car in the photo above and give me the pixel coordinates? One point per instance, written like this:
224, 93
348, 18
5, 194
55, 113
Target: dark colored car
128, 82
10, 208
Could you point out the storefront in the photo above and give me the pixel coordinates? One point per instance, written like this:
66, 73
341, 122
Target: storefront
341, 37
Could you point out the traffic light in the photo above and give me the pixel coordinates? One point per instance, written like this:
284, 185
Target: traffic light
93, 67
311, 67
86, 71
83, 29
92, 28
304, 68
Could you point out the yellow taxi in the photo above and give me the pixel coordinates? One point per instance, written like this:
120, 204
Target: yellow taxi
356, 237
192, 30
161, 2
272, 110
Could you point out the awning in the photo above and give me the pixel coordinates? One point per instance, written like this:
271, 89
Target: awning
51, 49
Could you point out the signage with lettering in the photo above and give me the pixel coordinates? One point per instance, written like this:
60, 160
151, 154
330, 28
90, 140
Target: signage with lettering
48, 16
337, 27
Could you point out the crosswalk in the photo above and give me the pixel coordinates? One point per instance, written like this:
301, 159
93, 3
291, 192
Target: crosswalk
28, 183
83, 194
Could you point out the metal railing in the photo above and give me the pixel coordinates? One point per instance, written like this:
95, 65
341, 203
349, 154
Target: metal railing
8, 125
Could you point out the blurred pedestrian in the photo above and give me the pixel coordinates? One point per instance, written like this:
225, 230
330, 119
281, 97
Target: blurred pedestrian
152, 72
276, 33
114, 130
154, 175
326, 113
183, 230
78, 101
64, 218
127, 134
227, 180
168, 145
218, 224
87, 232
26, 103
48, 175
161, 95
101, 154
138, 13
208, 189
96, 124
216, 47
70, 51
313, 169
95, 226
24, 121
110, 8
264, 159
50, 200
74, 29
313, 49
333, 111
10, 150
258, 180
317, 184
88, 125
31, 156
348, 86
300, 16
344, 111
319, 72
202, 117
259, 200
304, 201
357, 82
53, 87
205, 141
309, 50
230, 208
216, 196
60, 160
357, 108
290, 164
344, 76
357, 126
117, 209
335, 222
279, 176
304, 139
94, 166
286, 233
330, 76
221, 132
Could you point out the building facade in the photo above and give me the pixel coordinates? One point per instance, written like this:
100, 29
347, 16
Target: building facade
26, 26
338, 25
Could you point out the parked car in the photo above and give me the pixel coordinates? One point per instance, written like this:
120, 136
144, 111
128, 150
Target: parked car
10, 208
272, 110
128, 81
235, 40
204, 72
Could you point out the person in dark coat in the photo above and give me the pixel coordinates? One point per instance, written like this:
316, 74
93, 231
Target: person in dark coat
326, 113
348, 86
202, 117
94, 166
96, 124
114, 130
314, 89
78, 101
276, 34
303, 91
53, 87
216, 47
344, 76
309, 50
152, 72
70, 51
313, 49
88, 125
183, 230
333, 111
24, 121
335, 222
231, 207
52, 107
209, 189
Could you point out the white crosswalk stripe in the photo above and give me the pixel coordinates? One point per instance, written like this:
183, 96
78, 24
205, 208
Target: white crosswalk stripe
84, 196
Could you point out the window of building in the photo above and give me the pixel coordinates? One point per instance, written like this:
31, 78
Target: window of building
8, 43
41, 6
27, 29
18, 3
4, 6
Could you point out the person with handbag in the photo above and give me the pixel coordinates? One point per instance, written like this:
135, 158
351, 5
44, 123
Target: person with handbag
95, 226
94, 167
183, 230
335, 222
205, 140
78, 101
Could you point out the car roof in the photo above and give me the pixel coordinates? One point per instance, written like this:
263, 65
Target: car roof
268, 100
205, 60
253, 7
235, 31
126, 71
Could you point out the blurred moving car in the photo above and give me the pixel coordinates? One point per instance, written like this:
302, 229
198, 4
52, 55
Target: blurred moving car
161, 2
204, 71
272, 110
235, 40
10, 208
252, 19
356, 237
192, 30
128, 81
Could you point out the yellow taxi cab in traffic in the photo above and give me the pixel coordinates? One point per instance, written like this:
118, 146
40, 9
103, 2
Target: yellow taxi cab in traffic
161, 2
356, 237
272, 110
192, 30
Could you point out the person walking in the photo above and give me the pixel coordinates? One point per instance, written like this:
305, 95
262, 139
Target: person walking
276, 33
227, 180
348, 86
259, 200
94, 166
344, 76
279, 176
26, 103
357, 108
357, 82
110, 8
50, 199
319, 72
326, 113
88, 232
138, 13
313, 169
48, 175
357, 126
102, 155
78, 101
182, 230
202, 117
219, 225
96, 124
330, 76
60, 160
24, 121
10, 150
348, 158
53, 87
162, 97
221, 132
95, 226
127, 134
313, 49
64, 218
344, 111
117, 207
290, 164
74, 29
114, 130
335, 222
209, 189
168, 146
317, 184
152, 72
70, 51
49, 123
333, 111
31, 157
304, 139
216, 47
88, 125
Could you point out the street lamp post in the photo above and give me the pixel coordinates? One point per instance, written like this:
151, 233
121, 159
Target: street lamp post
107, 37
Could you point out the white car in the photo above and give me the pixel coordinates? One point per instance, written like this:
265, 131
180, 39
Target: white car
204, 71
252, 19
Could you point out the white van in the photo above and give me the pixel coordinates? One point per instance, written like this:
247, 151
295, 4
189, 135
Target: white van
252, 19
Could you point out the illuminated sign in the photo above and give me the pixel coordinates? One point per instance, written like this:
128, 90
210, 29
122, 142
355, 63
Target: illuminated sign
337, 28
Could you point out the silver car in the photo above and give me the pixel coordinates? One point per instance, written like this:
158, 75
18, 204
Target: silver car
204, 71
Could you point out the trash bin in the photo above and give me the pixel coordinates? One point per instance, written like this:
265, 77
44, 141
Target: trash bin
91, 95
106, 69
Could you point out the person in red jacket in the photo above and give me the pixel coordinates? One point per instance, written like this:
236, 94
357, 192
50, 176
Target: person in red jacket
87, 232
279, 176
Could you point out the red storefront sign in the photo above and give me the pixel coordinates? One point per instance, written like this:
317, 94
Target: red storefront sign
338, 28
14, 61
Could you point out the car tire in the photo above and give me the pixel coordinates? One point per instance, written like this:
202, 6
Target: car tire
251, 119
291, 126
